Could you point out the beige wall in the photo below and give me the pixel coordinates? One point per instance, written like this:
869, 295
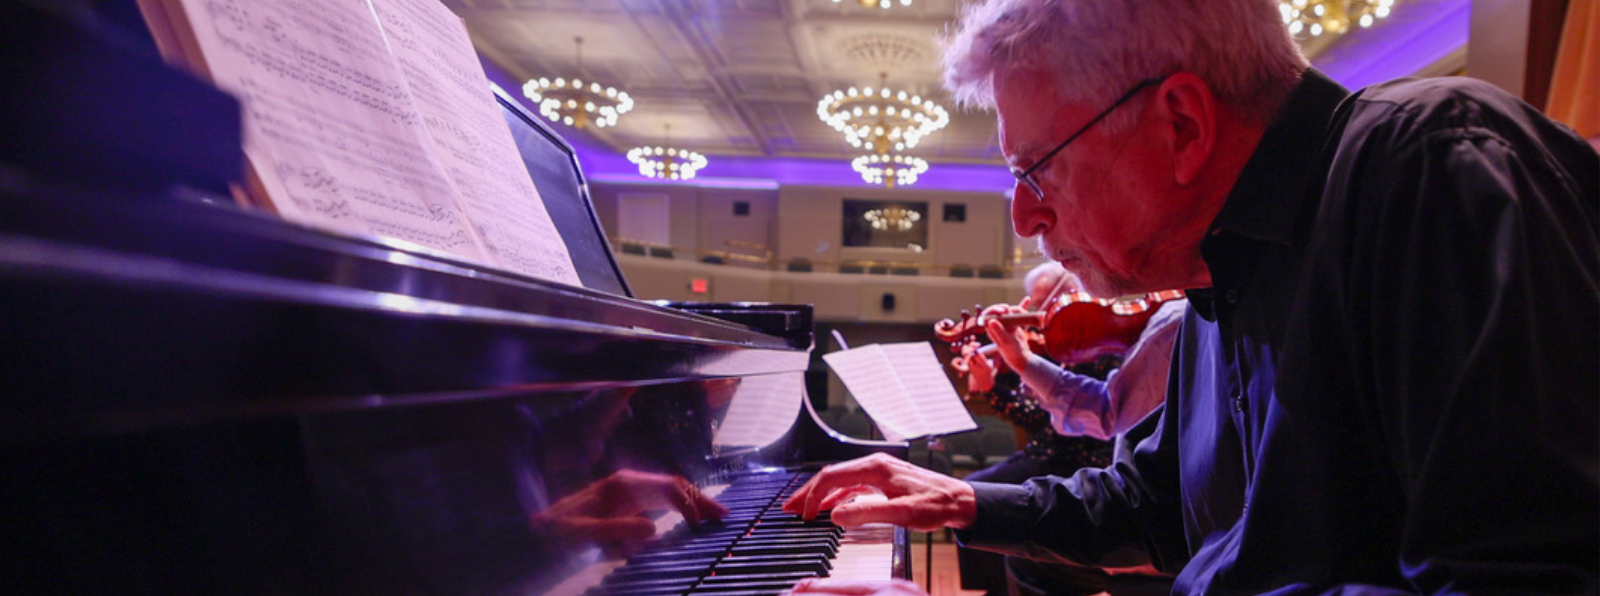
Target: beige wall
702, 219
834, 296
811, 226
803, 221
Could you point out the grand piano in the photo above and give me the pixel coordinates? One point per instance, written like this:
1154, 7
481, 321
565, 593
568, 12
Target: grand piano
204, 399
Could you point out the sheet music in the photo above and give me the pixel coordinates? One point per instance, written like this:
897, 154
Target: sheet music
904, 388
471, 139
329, 125
923, 375
763, 409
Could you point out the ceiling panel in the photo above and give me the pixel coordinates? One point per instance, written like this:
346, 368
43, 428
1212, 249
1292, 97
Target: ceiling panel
735, 77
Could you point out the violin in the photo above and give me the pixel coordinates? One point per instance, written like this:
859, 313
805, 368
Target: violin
1074, 328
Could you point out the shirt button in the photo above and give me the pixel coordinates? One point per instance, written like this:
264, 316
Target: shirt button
1232, 296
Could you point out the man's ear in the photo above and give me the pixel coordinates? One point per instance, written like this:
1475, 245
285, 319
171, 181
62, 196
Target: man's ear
1190, 117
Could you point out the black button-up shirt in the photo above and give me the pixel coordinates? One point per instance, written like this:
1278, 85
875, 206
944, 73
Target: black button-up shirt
1393, 385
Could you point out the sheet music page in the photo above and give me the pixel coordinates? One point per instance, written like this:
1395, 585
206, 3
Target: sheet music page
929, 388
764, 408
330, 127
471, 139
903, 387
871, 379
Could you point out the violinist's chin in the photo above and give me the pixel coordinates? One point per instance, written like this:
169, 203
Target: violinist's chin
1094, 282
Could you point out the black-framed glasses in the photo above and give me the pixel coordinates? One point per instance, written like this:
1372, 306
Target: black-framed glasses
1026, 176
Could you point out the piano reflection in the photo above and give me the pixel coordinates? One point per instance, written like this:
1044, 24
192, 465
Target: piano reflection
203, 399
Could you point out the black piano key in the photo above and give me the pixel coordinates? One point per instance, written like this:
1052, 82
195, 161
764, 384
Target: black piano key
745, 584
831, 546
648, 573
638, 590
668, 556
788, 577
805, 559
622, 586
796, 524
755, 549
783, 549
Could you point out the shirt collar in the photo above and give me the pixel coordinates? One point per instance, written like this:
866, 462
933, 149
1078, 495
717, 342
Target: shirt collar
1266, 200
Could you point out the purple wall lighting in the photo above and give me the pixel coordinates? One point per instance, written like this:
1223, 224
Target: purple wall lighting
1418, 34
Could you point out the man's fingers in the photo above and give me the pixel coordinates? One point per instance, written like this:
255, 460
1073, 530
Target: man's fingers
843, 495
872, 471
896, 587
906, 512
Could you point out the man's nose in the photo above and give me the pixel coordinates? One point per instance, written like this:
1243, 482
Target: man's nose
1029, 217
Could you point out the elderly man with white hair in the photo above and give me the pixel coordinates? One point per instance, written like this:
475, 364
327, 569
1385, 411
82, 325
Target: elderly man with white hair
1386, 380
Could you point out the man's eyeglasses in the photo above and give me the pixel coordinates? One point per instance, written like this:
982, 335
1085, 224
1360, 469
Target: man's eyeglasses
1026, 176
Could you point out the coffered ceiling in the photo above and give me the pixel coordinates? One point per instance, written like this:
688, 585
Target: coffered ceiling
734, 77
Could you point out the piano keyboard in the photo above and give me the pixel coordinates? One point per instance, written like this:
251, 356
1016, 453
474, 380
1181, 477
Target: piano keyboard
755, 550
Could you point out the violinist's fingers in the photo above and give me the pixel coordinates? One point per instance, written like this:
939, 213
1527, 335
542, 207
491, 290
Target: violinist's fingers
995, 310
1010, 347
981, 374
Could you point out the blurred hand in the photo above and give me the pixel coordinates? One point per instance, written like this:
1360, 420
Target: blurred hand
895, 587
610, 512
980, 372
914, 497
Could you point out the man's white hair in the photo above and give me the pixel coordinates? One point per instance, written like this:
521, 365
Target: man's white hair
1097, 49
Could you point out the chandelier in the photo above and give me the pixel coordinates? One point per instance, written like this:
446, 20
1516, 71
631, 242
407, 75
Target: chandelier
573, 103
897, 219
884, 4
889, 170
881, 120
1331, 16
667, 162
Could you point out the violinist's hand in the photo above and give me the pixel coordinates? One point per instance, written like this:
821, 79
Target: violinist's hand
916, 498
894, 587
980, 373
1011, 343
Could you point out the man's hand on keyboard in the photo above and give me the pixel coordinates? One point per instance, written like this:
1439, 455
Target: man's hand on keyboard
896, 587
914, 498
